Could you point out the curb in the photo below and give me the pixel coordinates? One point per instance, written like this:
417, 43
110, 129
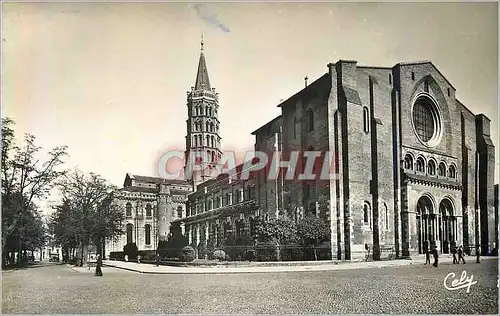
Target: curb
228, 270
332, 267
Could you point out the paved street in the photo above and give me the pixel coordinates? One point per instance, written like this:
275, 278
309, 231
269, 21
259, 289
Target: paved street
405, 289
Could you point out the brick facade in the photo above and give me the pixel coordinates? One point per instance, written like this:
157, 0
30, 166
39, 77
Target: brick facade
411, 167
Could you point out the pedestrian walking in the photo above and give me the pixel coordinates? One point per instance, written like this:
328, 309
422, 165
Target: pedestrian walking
454, 252
436, 256
138, 258
98, 270
461, 254
157, 259
367, 248
478, 253
427, 253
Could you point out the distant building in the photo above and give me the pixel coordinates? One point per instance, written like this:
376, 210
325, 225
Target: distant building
150, 205
46, 253
218, 207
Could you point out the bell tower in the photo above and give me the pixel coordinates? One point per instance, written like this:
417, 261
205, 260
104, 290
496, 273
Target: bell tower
202, 139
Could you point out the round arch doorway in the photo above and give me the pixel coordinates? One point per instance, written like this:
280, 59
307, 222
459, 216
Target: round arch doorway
447, 225
427, 224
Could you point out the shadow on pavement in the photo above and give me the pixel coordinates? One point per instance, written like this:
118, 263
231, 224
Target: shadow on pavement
31, 266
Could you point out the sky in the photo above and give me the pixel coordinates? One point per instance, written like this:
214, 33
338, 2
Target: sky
109, 80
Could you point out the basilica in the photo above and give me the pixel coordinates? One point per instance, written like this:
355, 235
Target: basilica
414, 167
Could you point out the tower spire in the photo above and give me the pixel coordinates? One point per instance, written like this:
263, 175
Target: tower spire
202, 81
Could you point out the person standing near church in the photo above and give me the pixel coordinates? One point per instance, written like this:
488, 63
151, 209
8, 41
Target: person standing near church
436, 256
461, 254
98, 270
478, 253
427, 253
454, 252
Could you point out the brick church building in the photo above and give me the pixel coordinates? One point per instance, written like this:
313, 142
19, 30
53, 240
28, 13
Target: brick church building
413, 167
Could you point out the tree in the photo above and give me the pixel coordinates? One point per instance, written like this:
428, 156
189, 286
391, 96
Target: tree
311, 231
90, 216
63, 226
24, 180
131, 250
108, 223
171, 247
282, 230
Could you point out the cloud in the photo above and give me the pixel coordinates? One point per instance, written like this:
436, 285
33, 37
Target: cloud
209, 17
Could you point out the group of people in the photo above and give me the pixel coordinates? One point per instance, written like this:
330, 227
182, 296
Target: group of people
435, 253
455, 251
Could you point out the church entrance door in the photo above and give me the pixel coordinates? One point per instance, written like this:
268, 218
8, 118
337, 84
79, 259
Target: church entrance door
427, 224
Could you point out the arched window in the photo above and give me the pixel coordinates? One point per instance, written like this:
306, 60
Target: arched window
212, 127
208, 140
366, 213
310, 120
179, 212
195, 138
424, 119
206, 110
213, 141
420, 164
148, 210
442, 170
383, 217
130, 229
147, 233
213, 154
431, 167
408, 163
452, 172
207, 126
366, 120
128, 210
197, 111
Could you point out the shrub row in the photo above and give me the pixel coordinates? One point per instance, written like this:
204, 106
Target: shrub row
120, 255
240, 253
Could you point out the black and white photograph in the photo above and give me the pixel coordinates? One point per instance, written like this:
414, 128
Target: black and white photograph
247, 158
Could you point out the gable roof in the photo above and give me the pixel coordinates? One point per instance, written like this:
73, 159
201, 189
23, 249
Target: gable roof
309, 87
155, 180
267, 124
426, 62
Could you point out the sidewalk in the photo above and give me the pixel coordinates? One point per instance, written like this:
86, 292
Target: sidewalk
153, 269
